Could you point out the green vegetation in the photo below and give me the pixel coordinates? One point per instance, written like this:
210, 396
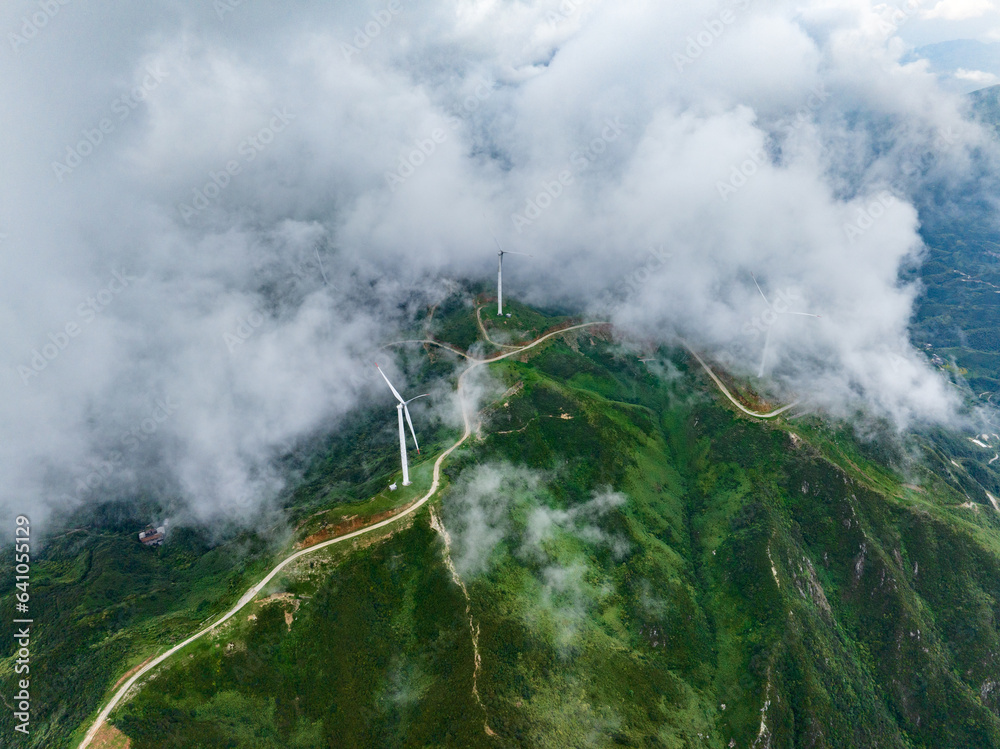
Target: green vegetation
454, 321
644, 565
758, 573
524, 324
986, 105
105, 603
958, 316
372, 657
117, 603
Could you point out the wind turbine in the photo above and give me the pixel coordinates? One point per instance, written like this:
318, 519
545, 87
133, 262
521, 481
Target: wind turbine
321, 270
401, 409
767, 337
501, 252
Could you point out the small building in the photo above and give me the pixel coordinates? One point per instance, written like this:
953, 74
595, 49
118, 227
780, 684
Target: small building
153, 536
392, 487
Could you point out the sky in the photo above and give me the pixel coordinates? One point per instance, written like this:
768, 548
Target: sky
944, 20
212, 214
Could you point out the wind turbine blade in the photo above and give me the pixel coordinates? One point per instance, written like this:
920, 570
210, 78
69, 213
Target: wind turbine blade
425, 395
499, 247
763, 356
511, 252
410, 422
321, 270
394, 391
801, 314
759, 289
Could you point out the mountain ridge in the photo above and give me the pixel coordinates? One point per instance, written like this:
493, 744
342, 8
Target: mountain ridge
648, 535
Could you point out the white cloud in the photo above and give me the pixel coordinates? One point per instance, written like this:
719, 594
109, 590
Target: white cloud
958, 10
318, 185
976, 76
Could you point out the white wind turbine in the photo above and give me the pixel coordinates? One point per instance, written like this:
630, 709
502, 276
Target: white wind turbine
501, 252
401, 409
767, 337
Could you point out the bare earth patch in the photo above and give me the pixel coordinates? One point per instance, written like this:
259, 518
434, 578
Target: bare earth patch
347, 525
132, 671
110, 737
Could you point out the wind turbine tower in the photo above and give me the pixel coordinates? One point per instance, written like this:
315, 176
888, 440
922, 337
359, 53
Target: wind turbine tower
401, 410
500, 253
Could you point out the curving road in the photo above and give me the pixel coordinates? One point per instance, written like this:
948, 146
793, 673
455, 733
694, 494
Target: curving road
725, 391
430, 342
435, 484
256, 589
482, 329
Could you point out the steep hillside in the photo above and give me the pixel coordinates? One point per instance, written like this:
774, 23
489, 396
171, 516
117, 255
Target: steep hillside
958, 315
620, 558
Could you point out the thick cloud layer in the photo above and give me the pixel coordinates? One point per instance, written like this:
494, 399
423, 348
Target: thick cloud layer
211, 213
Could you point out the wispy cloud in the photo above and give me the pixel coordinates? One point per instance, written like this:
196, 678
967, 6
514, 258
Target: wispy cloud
959, 10
312, 182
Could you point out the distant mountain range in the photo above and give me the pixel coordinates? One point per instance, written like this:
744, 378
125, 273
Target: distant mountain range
958, 316
963, 64
986, 103
619, 557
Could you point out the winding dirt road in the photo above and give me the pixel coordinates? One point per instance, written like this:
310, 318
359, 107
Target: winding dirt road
725, 391
482, 329
474, 363
256, 589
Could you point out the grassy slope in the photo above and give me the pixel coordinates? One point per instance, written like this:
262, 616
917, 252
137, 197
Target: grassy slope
372, 658
791, 579
104, 604
715, 501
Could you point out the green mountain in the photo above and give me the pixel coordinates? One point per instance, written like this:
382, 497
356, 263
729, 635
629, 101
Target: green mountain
957, 317
986, 105
617, 556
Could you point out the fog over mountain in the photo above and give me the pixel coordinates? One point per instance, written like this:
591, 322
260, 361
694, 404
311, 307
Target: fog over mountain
213, 214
